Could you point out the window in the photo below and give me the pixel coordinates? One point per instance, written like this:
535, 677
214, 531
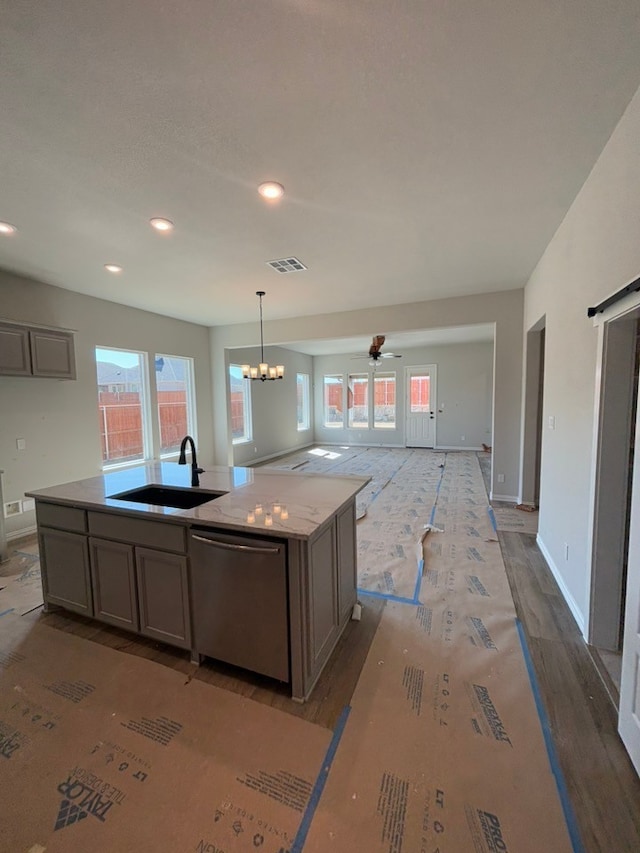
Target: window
419, 394
123, 406
302, 390
241, 428
384, 408
333, 416
176, 410
358, 401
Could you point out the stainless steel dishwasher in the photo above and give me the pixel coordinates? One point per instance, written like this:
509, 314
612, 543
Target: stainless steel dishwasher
239, 601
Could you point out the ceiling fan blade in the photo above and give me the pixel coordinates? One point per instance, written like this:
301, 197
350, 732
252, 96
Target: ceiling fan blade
389, 355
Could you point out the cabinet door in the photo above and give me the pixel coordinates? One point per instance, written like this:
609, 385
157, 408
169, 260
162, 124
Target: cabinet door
163, 596
15, 359
64, 559
324, 617
115, 597
347, 561
52, 353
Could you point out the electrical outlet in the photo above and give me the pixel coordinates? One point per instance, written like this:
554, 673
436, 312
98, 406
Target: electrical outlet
21, 444
12, 508
501, 478
462, 438
28, 505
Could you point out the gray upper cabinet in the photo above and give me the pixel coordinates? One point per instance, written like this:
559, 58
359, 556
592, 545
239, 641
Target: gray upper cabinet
36, 351
15, 356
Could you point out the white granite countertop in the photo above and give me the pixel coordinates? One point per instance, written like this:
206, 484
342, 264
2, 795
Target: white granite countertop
252, 497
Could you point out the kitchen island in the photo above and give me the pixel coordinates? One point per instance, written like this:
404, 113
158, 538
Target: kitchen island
261, 574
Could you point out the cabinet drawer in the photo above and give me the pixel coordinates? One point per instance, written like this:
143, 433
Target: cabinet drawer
154, 534
62, 517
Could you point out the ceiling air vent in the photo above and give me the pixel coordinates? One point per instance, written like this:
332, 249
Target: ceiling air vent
287, 265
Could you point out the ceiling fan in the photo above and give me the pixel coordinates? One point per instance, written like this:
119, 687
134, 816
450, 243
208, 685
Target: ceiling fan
375, 353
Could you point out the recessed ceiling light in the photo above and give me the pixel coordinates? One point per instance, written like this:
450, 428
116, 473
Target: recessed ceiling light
113, 267
271, 190
161, 224
7, 228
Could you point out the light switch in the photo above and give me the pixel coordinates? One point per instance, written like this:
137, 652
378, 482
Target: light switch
21, 444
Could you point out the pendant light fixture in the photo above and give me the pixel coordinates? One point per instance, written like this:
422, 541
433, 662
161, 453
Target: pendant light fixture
262, 371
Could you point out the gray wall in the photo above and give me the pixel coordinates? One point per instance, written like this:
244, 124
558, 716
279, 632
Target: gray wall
59, 419
464, 383
503, 308
273, 405
595, 252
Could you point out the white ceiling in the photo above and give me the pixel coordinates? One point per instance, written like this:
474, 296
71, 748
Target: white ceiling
428, 149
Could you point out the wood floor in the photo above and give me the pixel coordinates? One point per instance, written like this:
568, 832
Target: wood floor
601, 781
603, 787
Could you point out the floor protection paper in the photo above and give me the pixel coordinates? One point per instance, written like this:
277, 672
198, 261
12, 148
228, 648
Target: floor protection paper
103, 751
443, 750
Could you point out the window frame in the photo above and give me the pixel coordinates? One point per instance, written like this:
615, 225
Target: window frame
246, 409
340, 380
367, 406
386, 425
305, 423
145, 407
192, 428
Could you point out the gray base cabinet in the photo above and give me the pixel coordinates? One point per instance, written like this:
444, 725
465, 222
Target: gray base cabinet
91, 563
113, 576
163, 595
64, 560
273, 606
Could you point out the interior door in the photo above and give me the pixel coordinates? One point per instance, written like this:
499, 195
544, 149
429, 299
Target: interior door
421, 406
629, 716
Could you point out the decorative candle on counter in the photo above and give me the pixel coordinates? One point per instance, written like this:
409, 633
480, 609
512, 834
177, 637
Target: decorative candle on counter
268, 520
276, 507
258, 509
284, 513
251, 517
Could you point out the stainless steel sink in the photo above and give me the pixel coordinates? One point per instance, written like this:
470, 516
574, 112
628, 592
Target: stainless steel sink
173, 496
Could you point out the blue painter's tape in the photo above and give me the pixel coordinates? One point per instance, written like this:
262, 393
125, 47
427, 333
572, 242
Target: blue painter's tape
10, 610
492, 518
416, 591
569, 816
318, 788
387, 596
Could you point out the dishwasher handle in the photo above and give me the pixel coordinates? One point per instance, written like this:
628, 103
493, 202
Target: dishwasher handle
254, 549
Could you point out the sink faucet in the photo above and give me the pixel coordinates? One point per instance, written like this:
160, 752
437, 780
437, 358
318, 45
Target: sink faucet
194, 462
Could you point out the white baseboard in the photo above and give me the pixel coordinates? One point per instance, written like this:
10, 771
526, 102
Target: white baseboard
20, 534
276, 455
571, 603
455, 447
507, 498
353, 444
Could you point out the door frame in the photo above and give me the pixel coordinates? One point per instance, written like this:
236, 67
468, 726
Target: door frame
433, 398
609, 471
531, 430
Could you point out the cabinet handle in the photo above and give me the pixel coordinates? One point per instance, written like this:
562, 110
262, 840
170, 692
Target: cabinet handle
231, 547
